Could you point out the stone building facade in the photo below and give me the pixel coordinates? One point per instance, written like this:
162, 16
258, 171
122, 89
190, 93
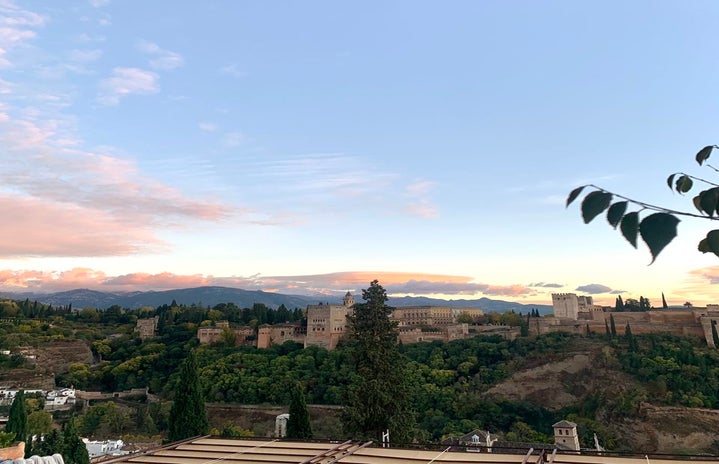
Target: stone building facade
278, 334
216, 333
147, 328
327, 324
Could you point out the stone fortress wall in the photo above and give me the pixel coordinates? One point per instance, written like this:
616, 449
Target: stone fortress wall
327, 325
573, 313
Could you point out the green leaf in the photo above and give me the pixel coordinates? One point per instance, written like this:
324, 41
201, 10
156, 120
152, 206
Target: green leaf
630, 227
593, 205
704, 153
670, 181
684, 184
708, 200
574, 194
704, 246
657, 231
697, 203
712, 242
615, 213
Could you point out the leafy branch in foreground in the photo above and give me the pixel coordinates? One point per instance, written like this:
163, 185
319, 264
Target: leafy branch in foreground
658, 228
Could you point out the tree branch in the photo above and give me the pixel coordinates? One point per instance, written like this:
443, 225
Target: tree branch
660, 209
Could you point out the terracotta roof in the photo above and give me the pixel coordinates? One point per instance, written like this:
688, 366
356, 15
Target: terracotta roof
207, 450
564, 423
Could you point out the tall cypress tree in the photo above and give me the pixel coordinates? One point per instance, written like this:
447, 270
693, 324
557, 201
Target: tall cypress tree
379, 396
715, 336
631, 340
298, 425
74, 450
17, 418
612, 327
188, 416
619, 304
664, 302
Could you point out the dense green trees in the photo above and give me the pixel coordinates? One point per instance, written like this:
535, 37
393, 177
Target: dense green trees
188, 416
17, 418
298, 426
450, 380
380, 395
73, 449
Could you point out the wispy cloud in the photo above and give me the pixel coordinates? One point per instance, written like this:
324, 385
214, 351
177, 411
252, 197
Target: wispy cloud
99, 3
16, 28
160, 59
207, 126
127, 81
98, 203
233, 139
332, 285
233, 70
710, 274
398, 283
418, 203
546, 285
84, 56
335, 183
594, 289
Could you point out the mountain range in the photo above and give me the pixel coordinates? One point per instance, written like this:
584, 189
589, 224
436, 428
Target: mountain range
211, 296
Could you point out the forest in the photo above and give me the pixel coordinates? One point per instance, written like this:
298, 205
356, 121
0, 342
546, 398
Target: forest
450, 381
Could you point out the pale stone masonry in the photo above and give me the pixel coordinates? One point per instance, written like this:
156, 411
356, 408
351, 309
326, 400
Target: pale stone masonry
578, 314
327, 325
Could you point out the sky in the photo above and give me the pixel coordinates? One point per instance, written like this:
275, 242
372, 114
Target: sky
312, 147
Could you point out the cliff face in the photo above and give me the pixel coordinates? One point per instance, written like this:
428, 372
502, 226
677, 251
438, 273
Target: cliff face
579, 377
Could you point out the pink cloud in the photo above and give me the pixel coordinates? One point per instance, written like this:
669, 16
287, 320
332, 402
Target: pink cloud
326, 284
36, 227
66, 201
395, 283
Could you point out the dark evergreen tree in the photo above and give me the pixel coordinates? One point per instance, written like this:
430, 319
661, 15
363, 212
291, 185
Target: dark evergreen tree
612, 327
631, 340
379, 396
17, 418
74, 450
606, 328
188, 416
619, 304
51, 443
298, 426
524, 327
715, 336
644, 304
664, 302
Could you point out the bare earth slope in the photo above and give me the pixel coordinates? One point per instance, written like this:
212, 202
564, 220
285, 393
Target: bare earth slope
570, 380
50, 359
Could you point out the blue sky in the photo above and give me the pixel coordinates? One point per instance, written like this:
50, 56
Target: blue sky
314, 146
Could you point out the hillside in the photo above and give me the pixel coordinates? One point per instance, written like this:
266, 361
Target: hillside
581, 376
51, 358
211, 296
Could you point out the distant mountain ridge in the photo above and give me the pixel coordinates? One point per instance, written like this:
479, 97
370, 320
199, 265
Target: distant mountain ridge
211, 296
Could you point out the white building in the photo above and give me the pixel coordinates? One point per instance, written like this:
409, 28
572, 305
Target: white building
101, 448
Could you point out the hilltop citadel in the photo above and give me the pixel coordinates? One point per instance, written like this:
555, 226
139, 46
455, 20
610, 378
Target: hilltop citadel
326, 323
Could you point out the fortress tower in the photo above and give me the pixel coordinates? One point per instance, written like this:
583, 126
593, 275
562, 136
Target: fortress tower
348, 300
565, 435
566, 305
